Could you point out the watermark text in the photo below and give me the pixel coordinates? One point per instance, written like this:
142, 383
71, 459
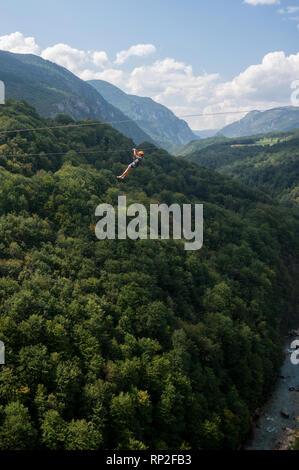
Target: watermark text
295, 354
2, 92
162, 219
2, 353
295, 94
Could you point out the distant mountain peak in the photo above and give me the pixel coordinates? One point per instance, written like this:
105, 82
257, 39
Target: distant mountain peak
283, 118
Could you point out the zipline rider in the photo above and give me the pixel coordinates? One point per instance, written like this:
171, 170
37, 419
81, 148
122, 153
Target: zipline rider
138, 157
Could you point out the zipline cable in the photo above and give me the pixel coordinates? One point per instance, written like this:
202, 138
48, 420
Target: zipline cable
85, 124
42, 154
63, 126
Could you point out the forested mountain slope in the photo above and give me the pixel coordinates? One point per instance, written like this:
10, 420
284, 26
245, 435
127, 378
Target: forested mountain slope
52, 89
132, 344
269, 163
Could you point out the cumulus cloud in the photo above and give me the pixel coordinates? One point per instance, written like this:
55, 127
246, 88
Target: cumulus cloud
67, 56
269, 79
168, 78
99, 58
76, 60
18, 43
139, 50
114, 76
175, 85
262, 2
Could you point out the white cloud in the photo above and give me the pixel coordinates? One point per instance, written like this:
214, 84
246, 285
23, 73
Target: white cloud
99, 58
174, 84
114, 76
67, 56
168, 78
260, 86
262, 2
270, 79
16, 42
139, 50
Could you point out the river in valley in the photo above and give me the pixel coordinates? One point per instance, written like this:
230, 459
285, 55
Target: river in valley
282, 410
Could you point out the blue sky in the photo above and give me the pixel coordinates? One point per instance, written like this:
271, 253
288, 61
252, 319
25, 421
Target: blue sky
213, 37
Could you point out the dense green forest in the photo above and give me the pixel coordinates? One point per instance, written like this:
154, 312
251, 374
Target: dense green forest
122, 344
268, 162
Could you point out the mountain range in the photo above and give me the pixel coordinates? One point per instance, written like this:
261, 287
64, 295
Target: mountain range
153, 118
53, 90
280, 119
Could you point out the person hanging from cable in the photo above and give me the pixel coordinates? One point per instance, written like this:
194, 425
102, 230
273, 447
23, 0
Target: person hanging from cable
137, 159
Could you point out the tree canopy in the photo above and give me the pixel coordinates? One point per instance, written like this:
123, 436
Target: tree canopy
122, 344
